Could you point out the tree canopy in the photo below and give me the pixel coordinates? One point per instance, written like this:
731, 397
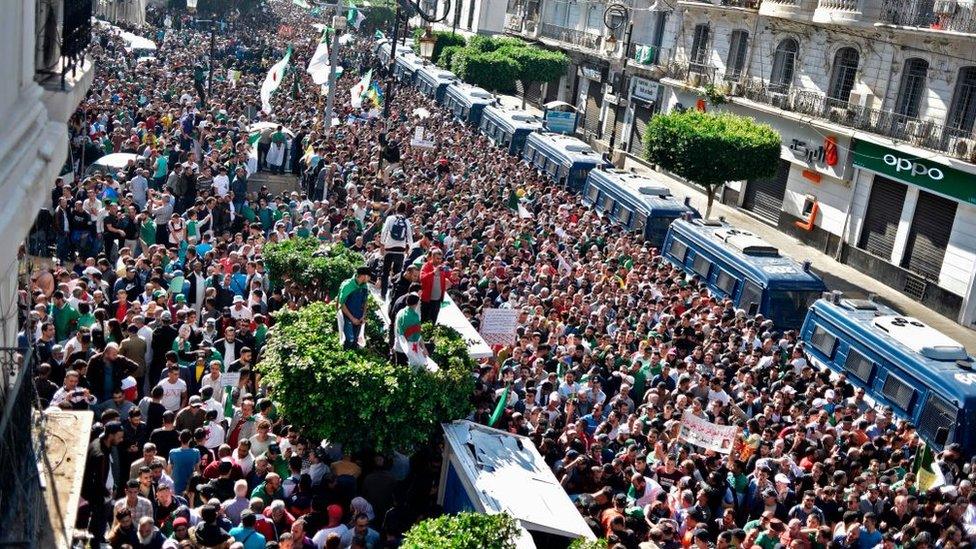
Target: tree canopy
443, 40
712, 148
358, 398
305, 262
463, 531
497, 63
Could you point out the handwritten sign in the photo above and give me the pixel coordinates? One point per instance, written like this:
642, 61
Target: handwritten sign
498, 326
707, 435
230, 379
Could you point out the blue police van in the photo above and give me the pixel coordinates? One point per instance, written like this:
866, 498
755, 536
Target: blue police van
739, 265
467, 102
405, 67
433, 81
925, 376
642, 204
508, 128
567, 159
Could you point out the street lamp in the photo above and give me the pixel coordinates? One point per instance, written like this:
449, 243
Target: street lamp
403, 9
191, 5
427, 43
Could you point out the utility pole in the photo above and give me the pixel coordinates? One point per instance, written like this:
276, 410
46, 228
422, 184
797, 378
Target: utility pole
392, 67
622, 88
338, 24
212, 60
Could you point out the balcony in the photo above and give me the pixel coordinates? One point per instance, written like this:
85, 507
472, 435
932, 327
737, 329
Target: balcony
840, 12
930, 15
695, 75
751, 5
926, 134
566, 35
788, 9
63, 35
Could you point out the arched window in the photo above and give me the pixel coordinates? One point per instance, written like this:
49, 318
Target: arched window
843, 74
962, 113
912, 87
784, 64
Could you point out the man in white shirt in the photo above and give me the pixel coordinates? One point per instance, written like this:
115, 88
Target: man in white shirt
174, 389
395, 238
240, 311
221, 183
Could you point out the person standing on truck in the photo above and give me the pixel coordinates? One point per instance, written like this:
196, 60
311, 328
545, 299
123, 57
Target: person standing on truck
396, 238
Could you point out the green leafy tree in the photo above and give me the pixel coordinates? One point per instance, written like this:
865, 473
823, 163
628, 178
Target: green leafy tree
316, 269
536, 64
492, 70
446, 59
379, 17
497, 63
443, 40
464, 531
357, 397
712, 148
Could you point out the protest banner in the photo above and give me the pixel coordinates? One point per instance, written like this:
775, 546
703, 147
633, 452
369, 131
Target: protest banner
230, 379
498, 326
707, 435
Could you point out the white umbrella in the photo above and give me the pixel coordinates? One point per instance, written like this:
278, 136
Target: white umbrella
421, 113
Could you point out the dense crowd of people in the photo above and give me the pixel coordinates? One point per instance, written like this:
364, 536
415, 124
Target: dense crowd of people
158, 288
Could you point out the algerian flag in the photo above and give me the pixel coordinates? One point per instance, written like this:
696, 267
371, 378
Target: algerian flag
408, 340
379, 35
355, 17
360, 88
927, 472
273, 80
254, 138
176, 285
318, 65
500, 407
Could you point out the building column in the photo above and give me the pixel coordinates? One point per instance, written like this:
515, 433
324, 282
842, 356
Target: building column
904, 225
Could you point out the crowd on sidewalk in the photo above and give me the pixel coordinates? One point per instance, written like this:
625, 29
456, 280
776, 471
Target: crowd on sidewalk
158, 288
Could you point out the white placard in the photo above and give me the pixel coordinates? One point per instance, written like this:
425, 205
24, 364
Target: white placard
707, 435
230, 379
498, 326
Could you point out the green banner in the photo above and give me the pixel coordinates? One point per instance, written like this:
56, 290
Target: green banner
913, 170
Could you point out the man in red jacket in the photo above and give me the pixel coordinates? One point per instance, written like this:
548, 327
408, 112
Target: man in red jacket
435, 279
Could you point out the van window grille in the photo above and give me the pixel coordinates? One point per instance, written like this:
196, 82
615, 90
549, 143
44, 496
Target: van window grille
898, 392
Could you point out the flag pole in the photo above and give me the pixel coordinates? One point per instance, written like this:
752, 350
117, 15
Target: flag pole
338, 24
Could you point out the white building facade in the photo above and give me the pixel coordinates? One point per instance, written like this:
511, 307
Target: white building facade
875, 101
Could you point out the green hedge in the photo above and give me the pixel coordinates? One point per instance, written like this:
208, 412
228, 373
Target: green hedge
357, 397
497, 63
489, 70
463, 531
317, 269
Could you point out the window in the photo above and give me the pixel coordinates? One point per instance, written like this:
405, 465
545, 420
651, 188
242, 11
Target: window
678, 251
560, 13
784, 63
607, 206
592, 193
751, 297
737, 54
938, 413
471, 4
701, 265
594, 18
898, 392
623, 215
859, 365
912, 87
699, 48
823, 341
962, 113
725, 282
844, 72
639, 221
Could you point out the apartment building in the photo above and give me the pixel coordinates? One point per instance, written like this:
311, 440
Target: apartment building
875, 101
465, 17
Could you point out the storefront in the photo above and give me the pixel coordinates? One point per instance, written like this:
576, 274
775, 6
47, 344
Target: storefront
642, 103
590, 100
917, 227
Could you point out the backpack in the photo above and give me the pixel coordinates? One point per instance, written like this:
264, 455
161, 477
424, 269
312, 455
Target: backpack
398, 231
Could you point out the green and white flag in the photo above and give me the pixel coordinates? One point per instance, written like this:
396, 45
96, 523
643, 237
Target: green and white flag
273, 81
379, 35
318, 65
359, 90
355, 17
927, 472
500, 407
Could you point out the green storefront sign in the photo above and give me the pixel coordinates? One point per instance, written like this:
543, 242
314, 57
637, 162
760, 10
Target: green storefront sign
916, 171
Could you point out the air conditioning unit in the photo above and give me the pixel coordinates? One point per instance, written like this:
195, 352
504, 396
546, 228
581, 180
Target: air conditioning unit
780, 100
837, 114
863, 99
962, 147
944, 7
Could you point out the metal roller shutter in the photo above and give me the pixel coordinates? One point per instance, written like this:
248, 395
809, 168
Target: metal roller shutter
881, 219
594, 102
642, 114
929, 235
764, 197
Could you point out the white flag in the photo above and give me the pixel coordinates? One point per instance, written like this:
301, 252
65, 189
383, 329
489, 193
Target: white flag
318, 65
273, 80
360, 88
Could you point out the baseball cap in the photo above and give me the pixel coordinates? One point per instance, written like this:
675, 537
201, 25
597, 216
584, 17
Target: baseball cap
196, 401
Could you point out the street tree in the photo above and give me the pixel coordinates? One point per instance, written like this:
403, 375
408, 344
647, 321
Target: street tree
711, 148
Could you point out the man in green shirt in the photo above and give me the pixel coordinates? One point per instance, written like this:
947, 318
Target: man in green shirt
65, 316
352, 309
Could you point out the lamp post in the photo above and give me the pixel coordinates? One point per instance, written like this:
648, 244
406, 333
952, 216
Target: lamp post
615, 16
408, 6
426, 44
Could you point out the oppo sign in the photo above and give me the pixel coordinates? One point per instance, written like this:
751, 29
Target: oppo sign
915, 168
